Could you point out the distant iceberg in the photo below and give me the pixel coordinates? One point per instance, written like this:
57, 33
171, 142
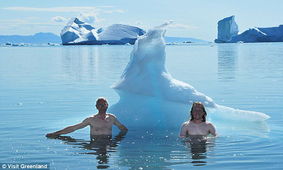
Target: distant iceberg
77, 32
227, 28
228, 33
271, 34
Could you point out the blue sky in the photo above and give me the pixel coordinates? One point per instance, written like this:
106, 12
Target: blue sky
191, 18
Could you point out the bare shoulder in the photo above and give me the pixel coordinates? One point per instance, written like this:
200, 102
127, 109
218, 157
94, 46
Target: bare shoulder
186, 123
88, 119
209, 124
111, 115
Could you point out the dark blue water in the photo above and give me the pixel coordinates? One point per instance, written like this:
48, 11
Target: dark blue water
43, 89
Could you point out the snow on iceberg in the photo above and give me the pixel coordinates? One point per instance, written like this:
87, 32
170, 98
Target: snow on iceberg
228, 33
77, 32
150, 97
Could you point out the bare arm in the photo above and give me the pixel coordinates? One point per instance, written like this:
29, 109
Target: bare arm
69, 129
184, 131
212, 130
122, 127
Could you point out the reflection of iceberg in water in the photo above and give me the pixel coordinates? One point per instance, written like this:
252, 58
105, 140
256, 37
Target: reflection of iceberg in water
227, 61
151, 97
80, 63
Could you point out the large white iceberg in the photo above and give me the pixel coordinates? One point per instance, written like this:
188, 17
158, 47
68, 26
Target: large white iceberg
151, 97
77, 32
228, 33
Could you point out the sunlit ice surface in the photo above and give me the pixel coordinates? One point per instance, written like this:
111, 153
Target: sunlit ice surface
150, 97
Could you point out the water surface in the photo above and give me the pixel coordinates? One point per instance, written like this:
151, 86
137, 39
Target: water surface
43, 89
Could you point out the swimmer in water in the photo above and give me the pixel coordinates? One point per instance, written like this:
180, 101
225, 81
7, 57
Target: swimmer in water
100, 123
197, 125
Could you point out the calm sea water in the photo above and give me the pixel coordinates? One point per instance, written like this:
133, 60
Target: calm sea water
43, 89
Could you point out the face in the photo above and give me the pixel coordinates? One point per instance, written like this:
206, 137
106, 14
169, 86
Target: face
198, 112
102, 105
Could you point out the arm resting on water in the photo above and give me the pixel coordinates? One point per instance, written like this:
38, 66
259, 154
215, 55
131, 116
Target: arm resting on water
69, 129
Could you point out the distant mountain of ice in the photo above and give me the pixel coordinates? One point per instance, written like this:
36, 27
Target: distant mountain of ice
77, 32
38, 38
228, 33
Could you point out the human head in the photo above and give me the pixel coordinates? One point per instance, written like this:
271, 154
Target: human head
101, 104
198, 107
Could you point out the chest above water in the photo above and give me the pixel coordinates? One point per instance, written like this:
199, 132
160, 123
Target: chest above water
198, 129
107, 122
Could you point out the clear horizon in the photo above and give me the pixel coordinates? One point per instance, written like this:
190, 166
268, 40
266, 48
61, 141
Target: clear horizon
192, 19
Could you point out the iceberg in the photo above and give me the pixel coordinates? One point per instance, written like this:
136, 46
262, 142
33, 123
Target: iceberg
228, 33
150, 97
227, 28
77, 32
271, 34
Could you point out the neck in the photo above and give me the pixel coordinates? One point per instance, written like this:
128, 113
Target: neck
197, 121
101, 112
101, 115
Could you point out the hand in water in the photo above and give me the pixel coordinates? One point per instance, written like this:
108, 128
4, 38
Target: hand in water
51, 135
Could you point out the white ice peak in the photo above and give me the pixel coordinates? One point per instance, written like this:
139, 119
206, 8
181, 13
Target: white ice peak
148, 90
